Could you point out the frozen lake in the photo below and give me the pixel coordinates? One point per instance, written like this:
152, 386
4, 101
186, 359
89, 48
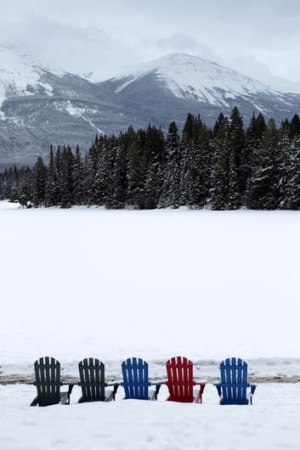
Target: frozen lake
154, 284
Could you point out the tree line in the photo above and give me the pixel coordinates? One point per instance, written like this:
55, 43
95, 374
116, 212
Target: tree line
224, 167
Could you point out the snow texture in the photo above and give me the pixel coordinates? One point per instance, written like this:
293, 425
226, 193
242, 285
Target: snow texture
271, 423
82, 112
154, 284
21, 75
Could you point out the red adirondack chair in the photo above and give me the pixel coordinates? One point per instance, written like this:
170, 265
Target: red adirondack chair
180, 381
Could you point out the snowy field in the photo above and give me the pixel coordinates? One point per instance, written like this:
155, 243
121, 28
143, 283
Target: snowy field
154, 284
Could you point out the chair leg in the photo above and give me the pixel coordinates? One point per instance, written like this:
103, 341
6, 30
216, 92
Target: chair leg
35, 401
110, 397
198, 399
64, 398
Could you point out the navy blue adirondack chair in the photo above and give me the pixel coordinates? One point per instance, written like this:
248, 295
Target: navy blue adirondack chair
234, 388
135, 380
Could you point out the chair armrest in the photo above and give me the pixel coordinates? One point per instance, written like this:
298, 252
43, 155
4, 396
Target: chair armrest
201, 385
35, 401
158, 385
65, 398
218, 386
252, 390
115, 386
198, 399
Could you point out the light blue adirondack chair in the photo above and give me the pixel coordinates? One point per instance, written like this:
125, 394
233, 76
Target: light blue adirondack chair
135, 380
234, 388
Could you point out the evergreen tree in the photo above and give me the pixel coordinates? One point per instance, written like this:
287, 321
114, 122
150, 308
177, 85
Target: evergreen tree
233, 200
195, 163
94, 178
294, 131
220, 171
187, 154
25, 186
66, 177
237, 146
289, 183
254, 135
57, 169
263, 186
155, 150
109, 171
79, 197
39, 182
225, 188
51, 183
119, 178
134, 197
170, 193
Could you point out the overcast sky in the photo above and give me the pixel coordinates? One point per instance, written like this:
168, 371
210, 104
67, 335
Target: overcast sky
259, 37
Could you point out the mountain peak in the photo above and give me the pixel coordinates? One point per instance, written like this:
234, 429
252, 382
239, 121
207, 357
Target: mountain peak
194, 78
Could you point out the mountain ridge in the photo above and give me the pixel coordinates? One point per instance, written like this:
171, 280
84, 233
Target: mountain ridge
42, 105
193, 75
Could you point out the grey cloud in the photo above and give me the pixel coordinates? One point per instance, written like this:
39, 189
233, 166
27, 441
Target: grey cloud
180, 42
108, 34
177, 41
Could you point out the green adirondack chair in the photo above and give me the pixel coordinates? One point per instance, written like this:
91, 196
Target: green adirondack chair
48, 383
92, 382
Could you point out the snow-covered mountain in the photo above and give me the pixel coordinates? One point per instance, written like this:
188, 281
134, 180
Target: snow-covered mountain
174, 84
41, 104
192, 78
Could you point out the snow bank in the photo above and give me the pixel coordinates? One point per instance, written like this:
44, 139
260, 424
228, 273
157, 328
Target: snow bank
271, 423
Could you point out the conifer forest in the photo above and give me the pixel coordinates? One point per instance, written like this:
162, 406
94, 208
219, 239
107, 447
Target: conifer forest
225, 167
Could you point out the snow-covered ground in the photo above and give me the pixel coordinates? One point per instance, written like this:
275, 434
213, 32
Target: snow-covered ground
271, 423
153, 284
